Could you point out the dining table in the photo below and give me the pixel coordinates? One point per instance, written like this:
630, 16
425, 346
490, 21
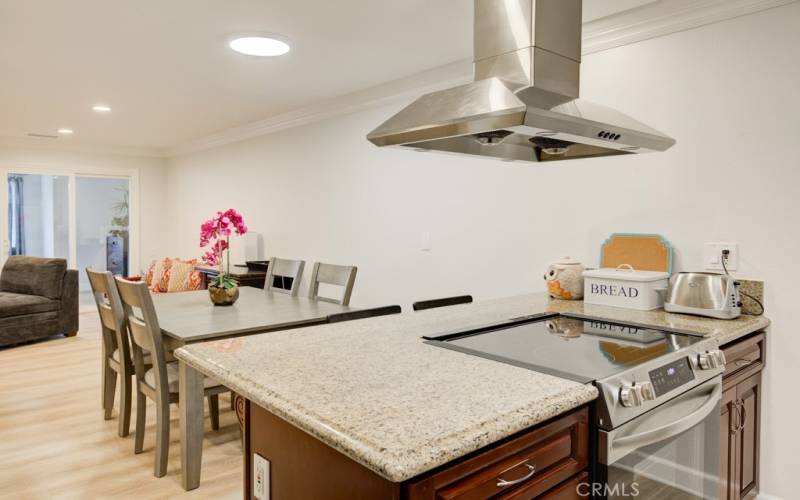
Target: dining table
190, 317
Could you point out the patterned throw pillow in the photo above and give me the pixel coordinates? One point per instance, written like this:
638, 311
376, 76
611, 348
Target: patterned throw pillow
195, 281
183, 277
148, 275
160, 282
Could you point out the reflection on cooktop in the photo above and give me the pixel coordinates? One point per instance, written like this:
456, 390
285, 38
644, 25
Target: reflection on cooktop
580, 349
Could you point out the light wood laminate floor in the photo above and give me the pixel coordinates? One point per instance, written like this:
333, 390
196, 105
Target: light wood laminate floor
54, 442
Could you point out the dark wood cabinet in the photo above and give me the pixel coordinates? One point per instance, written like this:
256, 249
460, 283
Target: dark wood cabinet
749, 394
727, 440
528, 466
547, 461
244, 276
740, 415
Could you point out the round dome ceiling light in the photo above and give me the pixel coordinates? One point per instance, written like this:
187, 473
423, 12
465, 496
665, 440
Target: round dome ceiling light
260, 45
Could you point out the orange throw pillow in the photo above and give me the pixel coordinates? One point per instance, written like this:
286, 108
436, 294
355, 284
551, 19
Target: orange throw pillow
160, 283
183, 277
148, 275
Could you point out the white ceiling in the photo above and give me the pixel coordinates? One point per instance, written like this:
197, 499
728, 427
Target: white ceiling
165, 68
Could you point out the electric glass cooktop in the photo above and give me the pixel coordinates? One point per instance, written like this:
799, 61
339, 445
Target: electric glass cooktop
575, 348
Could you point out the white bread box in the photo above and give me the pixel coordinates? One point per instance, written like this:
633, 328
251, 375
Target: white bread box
625, 287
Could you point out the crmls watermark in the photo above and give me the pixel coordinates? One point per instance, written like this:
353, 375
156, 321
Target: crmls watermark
619, 490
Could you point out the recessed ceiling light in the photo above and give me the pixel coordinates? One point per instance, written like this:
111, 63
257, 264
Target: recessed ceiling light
66, 131
260, 45
101, 108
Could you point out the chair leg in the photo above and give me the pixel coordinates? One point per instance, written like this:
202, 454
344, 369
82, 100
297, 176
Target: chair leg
141, 413
162, 437
124, 404
109, 385
213, 411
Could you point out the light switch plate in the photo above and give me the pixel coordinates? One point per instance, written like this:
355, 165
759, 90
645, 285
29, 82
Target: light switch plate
260, 477
426, 244
712, 253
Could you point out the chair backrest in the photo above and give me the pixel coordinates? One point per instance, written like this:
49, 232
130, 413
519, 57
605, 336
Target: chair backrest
363, 313
112, 316
330, 274
447, 301
145, 331
284, 275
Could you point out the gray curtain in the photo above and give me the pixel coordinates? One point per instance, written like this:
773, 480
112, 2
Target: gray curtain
16, 227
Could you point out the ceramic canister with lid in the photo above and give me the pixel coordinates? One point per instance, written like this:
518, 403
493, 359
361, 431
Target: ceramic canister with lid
564, 279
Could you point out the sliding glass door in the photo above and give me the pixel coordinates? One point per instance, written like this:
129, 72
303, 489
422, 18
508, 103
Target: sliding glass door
102, 225
82, 217
38, 215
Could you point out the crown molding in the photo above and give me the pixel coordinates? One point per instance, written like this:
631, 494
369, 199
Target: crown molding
655, 19
70, 145
395, 91
664, 17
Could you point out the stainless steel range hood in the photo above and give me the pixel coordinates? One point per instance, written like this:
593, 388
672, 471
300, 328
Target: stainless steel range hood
523, 104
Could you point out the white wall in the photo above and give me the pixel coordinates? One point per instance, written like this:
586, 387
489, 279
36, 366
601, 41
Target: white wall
153, 220
727, 92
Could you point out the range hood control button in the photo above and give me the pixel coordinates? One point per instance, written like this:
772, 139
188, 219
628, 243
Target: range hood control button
648, 391
631, 395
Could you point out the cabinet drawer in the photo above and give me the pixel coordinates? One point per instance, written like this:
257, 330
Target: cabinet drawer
525, 467
747, 354
572, 489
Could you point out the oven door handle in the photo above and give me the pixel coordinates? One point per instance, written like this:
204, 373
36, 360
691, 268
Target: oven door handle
672, 429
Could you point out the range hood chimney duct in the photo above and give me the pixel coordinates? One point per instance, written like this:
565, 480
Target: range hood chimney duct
523, 104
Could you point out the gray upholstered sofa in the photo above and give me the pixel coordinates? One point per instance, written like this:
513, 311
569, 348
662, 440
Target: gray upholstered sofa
38, 298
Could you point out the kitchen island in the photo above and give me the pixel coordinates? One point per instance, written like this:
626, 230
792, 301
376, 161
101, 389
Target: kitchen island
374, 393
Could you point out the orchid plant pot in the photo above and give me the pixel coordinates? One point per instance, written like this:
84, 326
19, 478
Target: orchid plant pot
221, 296
223, 290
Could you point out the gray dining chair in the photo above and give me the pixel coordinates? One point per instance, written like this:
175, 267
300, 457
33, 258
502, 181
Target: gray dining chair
116, 357
159, 382
444, 302
364, 314
330, 274
284, 275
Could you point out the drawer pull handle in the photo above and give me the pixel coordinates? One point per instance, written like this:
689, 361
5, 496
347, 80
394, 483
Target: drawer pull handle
502, 483
745, 362
744, 415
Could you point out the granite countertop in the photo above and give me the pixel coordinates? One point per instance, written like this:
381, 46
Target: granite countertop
374, 391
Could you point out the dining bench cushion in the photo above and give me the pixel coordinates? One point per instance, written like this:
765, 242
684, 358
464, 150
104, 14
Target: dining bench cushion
172, 377
20, 304
33, 276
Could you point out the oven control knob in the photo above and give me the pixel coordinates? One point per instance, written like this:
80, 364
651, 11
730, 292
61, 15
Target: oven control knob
703, 361
711, 359
719, 356
648, 391
630, 396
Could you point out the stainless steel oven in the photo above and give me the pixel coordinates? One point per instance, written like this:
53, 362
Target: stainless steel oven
670, 452
657, 414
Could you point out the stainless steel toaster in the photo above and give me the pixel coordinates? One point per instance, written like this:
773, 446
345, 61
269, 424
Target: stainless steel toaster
703, 294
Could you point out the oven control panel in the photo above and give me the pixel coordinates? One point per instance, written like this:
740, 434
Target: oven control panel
671, 376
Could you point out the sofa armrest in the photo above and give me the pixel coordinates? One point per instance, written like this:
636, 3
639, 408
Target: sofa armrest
68, 317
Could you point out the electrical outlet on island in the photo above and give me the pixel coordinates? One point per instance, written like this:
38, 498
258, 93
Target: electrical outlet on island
715, 253
261, 489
